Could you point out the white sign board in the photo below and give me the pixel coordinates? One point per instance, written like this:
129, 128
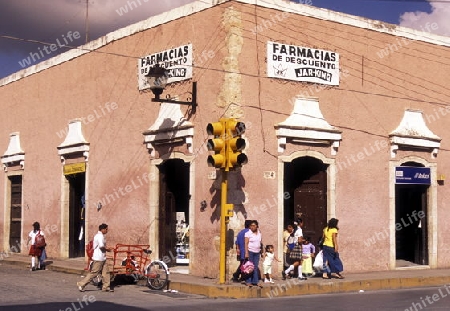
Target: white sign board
303, 64
177, 60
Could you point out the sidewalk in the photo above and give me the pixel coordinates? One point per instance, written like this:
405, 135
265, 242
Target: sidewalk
353, 282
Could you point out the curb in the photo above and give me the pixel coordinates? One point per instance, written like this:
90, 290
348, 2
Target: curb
297, 288
47, 267
291, 287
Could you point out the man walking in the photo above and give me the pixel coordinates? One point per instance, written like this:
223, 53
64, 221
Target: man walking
99, 261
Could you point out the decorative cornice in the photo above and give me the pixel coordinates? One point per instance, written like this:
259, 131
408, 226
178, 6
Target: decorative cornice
169, 127
14, 154
307, 124
74, 142
413, 132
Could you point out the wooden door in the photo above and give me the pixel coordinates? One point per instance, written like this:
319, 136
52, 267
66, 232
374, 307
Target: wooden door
16, 213
167, 220
310, 200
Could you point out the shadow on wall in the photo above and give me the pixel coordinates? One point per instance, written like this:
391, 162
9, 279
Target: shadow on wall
236, 195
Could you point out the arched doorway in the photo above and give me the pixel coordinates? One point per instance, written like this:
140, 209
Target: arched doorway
411, 214
76, 213
174, 196
305, 179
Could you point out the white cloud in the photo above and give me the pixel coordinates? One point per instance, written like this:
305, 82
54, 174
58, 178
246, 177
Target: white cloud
437, 21
49, 20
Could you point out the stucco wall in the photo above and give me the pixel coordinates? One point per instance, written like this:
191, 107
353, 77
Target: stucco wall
230, 68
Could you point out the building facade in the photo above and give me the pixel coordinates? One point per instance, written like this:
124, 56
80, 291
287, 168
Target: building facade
345, 118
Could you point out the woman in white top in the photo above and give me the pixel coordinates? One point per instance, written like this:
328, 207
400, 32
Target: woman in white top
253, 252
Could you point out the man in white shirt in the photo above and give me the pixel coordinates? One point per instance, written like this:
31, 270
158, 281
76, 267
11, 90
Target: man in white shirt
99, 261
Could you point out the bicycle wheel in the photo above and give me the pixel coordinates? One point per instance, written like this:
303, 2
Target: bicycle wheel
157, 275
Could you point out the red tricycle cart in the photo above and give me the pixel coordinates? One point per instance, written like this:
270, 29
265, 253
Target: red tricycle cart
134, 260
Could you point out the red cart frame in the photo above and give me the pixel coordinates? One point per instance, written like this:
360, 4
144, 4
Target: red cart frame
134, 260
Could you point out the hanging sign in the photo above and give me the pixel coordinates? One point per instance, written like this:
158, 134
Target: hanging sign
303, 64
177, 60
74, 168
412, 175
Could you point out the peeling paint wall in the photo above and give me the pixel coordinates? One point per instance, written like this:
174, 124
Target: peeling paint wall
230, 94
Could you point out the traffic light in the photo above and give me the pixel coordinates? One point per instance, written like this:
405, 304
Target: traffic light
217, 144
235, 143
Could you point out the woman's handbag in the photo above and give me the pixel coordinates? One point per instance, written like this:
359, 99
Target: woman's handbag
296, 253
321, 240
247, 267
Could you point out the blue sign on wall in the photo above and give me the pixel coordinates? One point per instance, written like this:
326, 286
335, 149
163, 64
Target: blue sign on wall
412, 175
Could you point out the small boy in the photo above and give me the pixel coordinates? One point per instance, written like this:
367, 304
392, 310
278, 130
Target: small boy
269, 256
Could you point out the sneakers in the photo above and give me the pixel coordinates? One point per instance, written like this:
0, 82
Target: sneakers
271, 281
33, 269
267, 281
302, 278
110, 290
80, 288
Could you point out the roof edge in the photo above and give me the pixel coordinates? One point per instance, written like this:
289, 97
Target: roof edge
156, 20
200, 5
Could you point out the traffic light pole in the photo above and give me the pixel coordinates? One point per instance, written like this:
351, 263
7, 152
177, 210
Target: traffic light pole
223, 225
227, 145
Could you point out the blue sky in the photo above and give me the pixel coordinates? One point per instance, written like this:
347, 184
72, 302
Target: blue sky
387, 11
51, 20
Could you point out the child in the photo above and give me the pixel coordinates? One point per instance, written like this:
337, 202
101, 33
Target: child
307, 255
35, 252
269, 256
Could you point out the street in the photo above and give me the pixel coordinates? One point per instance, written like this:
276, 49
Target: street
21, 289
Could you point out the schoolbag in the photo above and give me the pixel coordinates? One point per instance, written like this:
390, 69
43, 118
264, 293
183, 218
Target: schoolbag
291, 241
90, 249
39, 240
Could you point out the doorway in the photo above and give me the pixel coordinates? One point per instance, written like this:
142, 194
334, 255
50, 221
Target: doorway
76, 214
174, 199
411, 217
305, 179
15, 228
411, 224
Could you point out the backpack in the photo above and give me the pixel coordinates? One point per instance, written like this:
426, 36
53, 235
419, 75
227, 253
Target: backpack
90, 249
291, 241
39, 240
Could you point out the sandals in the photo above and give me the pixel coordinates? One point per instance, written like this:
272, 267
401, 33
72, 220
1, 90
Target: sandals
251, 285
326, 277
337, 276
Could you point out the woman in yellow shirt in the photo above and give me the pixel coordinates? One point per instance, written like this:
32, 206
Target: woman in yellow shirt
332, 264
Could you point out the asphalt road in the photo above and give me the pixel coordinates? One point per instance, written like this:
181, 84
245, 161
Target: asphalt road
21, 289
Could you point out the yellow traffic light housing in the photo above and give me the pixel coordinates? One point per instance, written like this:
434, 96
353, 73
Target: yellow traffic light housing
217, 144
235, 144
